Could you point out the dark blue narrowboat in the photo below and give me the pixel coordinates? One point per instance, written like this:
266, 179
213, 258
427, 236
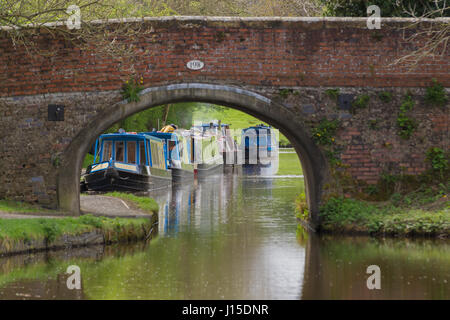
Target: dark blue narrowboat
260, 145
128, 162
179, 152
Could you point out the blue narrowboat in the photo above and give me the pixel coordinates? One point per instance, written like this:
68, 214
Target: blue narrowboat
178, 152
259, 144
128, 162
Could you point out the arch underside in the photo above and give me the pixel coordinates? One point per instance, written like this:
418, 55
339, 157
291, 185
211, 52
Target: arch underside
261, 107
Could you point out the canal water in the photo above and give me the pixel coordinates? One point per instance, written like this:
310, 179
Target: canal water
235, 237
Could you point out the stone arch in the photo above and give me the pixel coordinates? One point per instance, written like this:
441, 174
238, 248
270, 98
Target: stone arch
312, 159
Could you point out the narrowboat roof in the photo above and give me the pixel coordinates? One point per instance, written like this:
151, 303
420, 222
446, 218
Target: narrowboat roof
162, 135
260, 126
128, 136
207, 125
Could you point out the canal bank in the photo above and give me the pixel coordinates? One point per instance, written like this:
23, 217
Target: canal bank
116, 218
422, 214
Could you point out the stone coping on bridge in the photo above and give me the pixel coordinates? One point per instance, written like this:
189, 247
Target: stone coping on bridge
227, 19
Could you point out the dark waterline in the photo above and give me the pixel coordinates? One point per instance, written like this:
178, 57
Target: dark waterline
231, 237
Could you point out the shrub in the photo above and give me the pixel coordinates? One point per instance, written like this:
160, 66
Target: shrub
324, 133
361, 102
302, 207
436, 94
385, 96
332, 93
405, 124
131, 90
439, 163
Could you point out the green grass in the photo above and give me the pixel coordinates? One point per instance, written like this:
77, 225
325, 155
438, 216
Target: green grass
88, 159
289, 164
16, 206
350, 215
237, 119
51, 228
144, 203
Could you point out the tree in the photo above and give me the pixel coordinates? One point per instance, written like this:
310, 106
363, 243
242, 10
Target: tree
389, 8
23, 20
435, 37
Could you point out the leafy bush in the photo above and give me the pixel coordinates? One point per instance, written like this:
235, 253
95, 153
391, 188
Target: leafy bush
302, 207
361, 102
373, 124
385, 96
389, 8
405, 124
357, 216
324, 133
332, 93
131, 90
436, 94
438, 160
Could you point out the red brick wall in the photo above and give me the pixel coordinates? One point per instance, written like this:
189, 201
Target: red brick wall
276, 53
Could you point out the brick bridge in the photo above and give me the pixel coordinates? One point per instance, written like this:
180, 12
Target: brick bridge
290, 72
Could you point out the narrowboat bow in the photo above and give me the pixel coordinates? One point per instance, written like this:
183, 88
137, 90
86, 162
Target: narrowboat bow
128, 162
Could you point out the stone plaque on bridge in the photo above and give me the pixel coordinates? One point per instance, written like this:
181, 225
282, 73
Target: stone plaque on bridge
195, 65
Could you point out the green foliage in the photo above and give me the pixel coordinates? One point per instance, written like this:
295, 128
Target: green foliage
389, 8
406, 125
332, 93
360, 102
324, 133
289, 164
349, 215
372, 190
340, 211
235, 118
56, 161
52, 228
16, 206
385, 96
179, 113
436, 94
131, 90
373, 124
88, 159
284, 93
438, 160
333, 157
302, 207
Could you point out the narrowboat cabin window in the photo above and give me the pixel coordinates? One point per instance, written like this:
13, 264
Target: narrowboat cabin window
119, 151
142, 160
107, 150
131, 152
157, 161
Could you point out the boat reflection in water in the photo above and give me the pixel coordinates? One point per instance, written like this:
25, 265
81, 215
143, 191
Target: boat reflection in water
204, 201
194, 203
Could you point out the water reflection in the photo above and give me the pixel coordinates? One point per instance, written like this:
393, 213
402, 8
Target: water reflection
234, 237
